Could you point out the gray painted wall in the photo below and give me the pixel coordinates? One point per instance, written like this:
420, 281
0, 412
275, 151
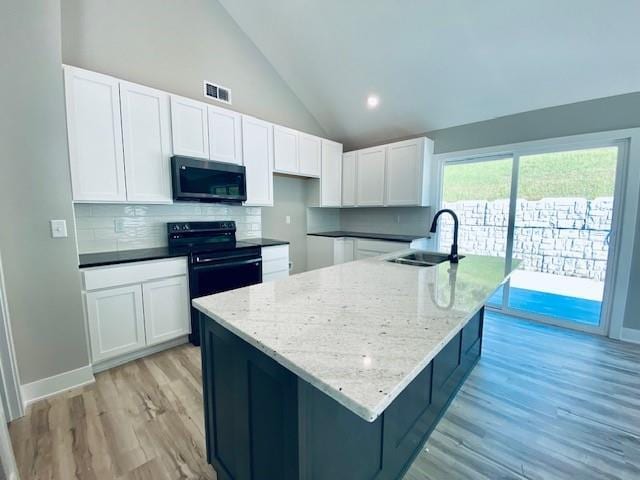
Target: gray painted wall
611, 113
42, 278
175, 46
289, 198
632, 317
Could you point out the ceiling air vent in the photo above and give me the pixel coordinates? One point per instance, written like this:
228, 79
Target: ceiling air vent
217, 92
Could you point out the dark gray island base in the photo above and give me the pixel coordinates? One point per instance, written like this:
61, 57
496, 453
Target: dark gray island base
263, 422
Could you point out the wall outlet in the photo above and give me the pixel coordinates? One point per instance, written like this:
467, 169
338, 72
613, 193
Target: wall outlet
59, 229
287, 219
118, 225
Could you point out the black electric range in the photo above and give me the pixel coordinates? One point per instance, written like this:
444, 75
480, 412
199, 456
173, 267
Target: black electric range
217, 261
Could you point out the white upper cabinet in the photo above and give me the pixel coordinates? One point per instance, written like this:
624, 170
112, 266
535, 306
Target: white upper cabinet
285, 150
309, 155
257, 148
349, 179
146, 132
331, 174
371, 176
408, 169
190, 127
95, 136
225, 135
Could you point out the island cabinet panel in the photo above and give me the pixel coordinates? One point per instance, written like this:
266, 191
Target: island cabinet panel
263, 422
250, 403
335, 442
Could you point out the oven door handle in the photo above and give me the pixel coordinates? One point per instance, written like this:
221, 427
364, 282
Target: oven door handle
216, 266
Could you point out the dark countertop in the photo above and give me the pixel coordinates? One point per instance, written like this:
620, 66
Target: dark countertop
101, 259
127, 256
372, 236
266, 242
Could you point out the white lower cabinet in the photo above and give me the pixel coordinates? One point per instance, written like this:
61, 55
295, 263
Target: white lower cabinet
343, 250
275, 263
327, 251
166, 309
132, 307
116, 321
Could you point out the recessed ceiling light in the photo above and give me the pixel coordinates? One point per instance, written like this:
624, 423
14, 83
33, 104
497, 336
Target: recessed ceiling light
373, 101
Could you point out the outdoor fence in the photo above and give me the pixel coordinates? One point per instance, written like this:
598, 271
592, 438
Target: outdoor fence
562, 236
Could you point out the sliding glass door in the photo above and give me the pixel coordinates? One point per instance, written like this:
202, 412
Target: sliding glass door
479, 192
551, 213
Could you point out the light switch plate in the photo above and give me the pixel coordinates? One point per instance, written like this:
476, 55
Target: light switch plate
287, 219
59, 228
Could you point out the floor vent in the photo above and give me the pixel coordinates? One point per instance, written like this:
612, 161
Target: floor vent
217, 92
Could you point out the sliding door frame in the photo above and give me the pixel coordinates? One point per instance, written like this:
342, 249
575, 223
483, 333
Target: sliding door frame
626, 194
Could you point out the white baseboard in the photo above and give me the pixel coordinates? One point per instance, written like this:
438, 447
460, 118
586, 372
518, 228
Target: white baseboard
129, 357
630, 335
47, 387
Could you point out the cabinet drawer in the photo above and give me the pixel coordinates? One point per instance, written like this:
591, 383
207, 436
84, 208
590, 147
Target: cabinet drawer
275, 252
278, 265
270, 277
130, 273
380, 246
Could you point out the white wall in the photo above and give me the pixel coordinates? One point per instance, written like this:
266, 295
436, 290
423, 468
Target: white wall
41, 274
175, 46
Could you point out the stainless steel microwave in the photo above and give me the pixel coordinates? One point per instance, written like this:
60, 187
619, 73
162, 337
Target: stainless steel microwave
197, 180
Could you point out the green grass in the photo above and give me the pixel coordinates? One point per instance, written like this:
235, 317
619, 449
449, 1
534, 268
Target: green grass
582, 173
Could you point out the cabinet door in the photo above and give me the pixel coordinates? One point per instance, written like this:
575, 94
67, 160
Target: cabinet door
225, 135
146, 133
166, 309
95, 136
116, 321
343, 250
370, 176
349, 179
404, 173
310, 152
320, 252
189, 127
285, 150
331, 174
257, 148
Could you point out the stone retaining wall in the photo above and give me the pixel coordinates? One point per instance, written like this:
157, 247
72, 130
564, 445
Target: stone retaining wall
563, 236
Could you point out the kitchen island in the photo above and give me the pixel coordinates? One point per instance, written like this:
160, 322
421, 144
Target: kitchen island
341, 372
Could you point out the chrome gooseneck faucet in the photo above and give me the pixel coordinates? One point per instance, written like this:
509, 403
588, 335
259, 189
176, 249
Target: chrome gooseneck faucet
453, 256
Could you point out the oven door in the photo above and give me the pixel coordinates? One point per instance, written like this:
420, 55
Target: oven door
220, 275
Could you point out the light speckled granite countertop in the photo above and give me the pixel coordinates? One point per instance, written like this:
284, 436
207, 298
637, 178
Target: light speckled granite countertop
360, 331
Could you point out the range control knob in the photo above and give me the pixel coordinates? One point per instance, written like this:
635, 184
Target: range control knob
186, 226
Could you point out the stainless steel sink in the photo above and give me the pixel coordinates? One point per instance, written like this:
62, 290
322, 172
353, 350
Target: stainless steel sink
422, 259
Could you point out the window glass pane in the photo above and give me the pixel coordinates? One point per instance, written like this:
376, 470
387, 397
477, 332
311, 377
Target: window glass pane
562, 230
479, 194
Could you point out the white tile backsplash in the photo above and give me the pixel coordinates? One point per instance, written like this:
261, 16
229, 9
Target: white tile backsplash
145, 226
397, 220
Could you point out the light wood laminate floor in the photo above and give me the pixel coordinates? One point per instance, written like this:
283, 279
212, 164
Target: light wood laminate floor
543, 403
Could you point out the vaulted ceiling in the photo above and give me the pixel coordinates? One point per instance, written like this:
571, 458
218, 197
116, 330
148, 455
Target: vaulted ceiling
440, 63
